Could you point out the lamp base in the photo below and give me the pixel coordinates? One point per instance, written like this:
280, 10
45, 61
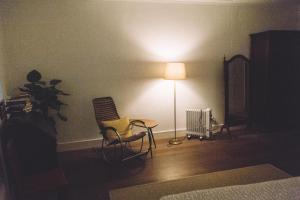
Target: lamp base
175, 141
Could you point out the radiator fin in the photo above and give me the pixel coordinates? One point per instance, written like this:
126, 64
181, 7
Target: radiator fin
198, 121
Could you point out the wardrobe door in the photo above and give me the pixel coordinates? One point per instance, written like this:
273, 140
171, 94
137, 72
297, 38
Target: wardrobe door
275, 80
259, 73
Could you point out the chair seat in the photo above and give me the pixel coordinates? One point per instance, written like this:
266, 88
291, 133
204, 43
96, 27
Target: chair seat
129, 139
134, 137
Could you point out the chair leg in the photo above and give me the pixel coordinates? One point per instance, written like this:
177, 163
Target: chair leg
115, 156
102, 149
141, 148
122, 150
110, 154
152, 136
150, 141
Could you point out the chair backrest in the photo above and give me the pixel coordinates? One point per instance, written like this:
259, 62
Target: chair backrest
105, 109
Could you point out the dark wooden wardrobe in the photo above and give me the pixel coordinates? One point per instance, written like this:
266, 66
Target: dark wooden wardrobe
275, 80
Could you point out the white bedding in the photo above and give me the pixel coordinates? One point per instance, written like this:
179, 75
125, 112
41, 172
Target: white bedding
284, 189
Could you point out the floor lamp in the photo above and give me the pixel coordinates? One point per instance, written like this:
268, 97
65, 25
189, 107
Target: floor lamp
175, 71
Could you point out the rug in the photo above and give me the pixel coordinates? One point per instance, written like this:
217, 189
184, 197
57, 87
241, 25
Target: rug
245, 175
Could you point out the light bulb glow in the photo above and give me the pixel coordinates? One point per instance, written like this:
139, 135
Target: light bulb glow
175, 71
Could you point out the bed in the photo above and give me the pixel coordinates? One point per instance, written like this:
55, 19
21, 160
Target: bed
238, 176
283, 189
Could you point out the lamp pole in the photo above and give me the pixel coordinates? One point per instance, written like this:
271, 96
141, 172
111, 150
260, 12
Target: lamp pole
175, 109
174, 140
175, 71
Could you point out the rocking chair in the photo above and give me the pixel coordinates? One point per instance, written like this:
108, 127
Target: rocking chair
117, 132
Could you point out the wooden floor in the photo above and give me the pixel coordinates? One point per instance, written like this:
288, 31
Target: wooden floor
90, 178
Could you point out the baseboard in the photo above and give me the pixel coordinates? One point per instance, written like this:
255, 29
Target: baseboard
92, 143
78, 145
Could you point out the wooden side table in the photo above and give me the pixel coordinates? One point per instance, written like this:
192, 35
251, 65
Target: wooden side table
149, 124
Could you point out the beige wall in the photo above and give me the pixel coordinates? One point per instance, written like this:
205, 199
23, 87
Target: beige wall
298, 17
2, 63
114, 48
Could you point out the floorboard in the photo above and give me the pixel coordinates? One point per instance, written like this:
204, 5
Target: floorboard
90, 178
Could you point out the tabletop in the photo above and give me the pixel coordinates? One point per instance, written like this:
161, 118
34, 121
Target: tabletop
149, 123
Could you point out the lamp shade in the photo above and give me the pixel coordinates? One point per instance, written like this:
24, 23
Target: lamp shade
175, 71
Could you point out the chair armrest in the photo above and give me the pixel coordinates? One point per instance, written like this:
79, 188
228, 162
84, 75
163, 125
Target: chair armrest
138, 123
105, 129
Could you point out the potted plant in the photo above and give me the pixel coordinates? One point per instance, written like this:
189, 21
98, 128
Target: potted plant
44, 96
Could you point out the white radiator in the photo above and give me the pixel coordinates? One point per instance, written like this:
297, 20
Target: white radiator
198, 122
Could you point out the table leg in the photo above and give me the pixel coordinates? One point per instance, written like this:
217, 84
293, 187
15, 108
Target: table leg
150, 140
152, 136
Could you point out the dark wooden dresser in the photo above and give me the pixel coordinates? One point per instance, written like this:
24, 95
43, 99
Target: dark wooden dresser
29, 159
275, 80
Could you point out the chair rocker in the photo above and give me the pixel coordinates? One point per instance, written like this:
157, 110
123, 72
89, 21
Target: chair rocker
116, 145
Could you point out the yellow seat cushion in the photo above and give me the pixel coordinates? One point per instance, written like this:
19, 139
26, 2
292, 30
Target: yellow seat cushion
122, 126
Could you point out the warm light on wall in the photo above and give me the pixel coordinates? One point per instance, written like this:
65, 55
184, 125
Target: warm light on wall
165, 46
164, 39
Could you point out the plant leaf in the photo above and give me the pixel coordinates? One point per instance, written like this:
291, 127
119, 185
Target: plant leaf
63, 118
24, 90
34, 76
41, 82
63, 93
54, 106
55, 81
61, 103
